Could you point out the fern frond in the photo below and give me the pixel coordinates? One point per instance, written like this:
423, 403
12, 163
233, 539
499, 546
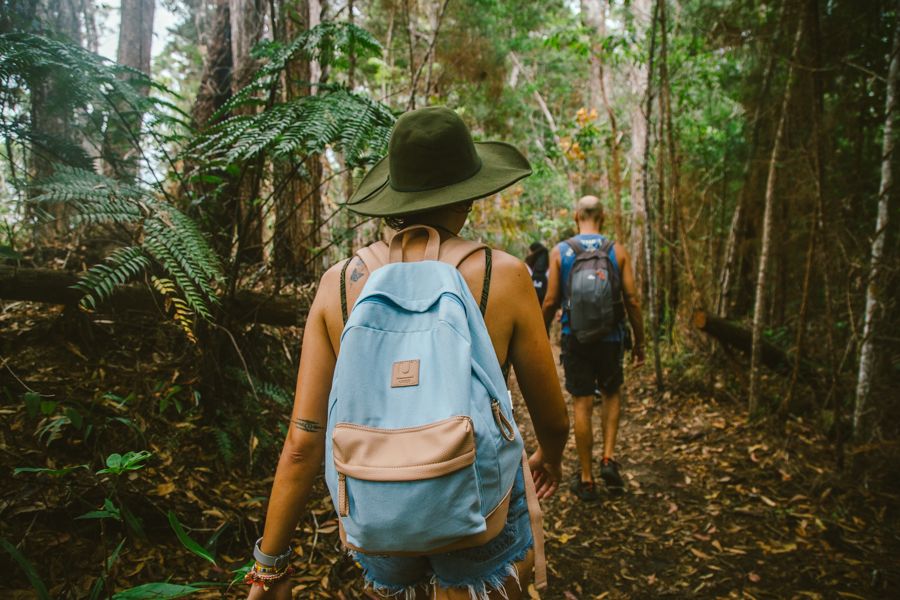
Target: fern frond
120, 267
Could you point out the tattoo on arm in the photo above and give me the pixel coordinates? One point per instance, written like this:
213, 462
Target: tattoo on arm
309, 426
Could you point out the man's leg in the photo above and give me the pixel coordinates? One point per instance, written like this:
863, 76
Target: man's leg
609, 420
583, 407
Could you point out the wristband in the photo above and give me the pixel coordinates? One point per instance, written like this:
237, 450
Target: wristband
278, 562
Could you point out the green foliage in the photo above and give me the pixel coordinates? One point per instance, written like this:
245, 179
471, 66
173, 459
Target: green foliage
117, 464
36, 582
186, 540
169, 240
355, 124
156, 591
100, 91
224, 446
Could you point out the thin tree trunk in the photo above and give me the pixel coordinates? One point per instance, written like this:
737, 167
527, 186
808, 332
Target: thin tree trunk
121, 147
594, 16
765, 247
298, 199
727, 277
637, 156
551, 122
213, 92
863, 423
411, 41
649, 229
246, 32
675, 170
48, 122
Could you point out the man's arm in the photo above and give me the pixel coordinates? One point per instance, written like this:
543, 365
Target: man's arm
632, 302
554, 289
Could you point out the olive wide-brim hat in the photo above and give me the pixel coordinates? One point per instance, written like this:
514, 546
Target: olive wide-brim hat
432, 162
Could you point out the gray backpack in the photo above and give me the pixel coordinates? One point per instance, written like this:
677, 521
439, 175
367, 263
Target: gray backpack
594, 293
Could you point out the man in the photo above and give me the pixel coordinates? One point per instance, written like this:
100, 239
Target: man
595, 365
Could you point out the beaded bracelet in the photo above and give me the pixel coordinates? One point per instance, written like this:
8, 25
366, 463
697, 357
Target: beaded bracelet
265, 576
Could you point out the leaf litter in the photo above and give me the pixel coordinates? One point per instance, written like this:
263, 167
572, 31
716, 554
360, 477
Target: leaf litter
716, 506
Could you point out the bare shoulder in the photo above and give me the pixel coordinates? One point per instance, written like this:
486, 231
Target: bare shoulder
621, 252
510, 272
507, 265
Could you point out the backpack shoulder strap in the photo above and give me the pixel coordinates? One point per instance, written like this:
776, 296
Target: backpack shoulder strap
575, 245
486, 286
374, 256
455, 250
607, 246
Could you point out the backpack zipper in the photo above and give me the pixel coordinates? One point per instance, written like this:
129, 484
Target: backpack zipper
343, 504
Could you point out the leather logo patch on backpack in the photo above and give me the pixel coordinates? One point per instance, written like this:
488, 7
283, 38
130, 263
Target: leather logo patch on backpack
405, 373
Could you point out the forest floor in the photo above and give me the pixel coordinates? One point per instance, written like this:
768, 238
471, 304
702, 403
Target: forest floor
715, 507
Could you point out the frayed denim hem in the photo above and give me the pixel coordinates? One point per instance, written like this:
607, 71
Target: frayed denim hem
480, 588
399, 592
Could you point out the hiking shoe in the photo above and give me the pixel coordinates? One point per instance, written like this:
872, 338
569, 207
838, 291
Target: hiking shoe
584, 490
609, 472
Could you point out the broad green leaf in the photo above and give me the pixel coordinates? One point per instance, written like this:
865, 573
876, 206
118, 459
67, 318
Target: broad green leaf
156, 591
36, 582
187, 542
56, 472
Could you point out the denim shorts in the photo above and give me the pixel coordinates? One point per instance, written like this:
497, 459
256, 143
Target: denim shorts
480, 569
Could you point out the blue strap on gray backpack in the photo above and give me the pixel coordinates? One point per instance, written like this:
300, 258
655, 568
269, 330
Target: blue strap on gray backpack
421, 445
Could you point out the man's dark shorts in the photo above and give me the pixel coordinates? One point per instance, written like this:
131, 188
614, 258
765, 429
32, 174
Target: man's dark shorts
594, 366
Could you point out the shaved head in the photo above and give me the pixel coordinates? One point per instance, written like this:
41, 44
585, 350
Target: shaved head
589, 208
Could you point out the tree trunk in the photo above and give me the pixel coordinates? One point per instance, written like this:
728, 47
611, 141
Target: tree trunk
741, 338
765, 246
728, 274
52, 126
247, 18
122, 150
213, 93
648, 232
593, 13
637, 156
863, 423
298, 213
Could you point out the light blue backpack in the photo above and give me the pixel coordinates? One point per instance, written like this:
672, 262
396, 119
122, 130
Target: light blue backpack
421, 446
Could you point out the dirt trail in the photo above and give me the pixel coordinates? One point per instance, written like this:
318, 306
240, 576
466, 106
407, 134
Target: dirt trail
716, 507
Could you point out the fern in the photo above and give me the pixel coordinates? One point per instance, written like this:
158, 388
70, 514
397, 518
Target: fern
225, 445
170, 242
181, 313
98, 90
120, 267
355, 124
324, 43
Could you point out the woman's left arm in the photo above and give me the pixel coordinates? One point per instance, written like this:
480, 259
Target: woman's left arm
304, 445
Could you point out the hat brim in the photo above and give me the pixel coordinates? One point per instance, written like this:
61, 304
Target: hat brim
501, 166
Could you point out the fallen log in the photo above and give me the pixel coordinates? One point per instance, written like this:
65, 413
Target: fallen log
741, 338
55, 287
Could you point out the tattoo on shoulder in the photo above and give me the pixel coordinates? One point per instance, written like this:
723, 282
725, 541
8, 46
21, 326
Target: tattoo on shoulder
357, 273
309, 426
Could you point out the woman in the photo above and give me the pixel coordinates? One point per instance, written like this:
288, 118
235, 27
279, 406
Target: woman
431, 176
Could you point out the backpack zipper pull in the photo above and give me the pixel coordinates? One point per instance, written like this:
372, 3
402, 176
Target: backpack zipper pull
506, 428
